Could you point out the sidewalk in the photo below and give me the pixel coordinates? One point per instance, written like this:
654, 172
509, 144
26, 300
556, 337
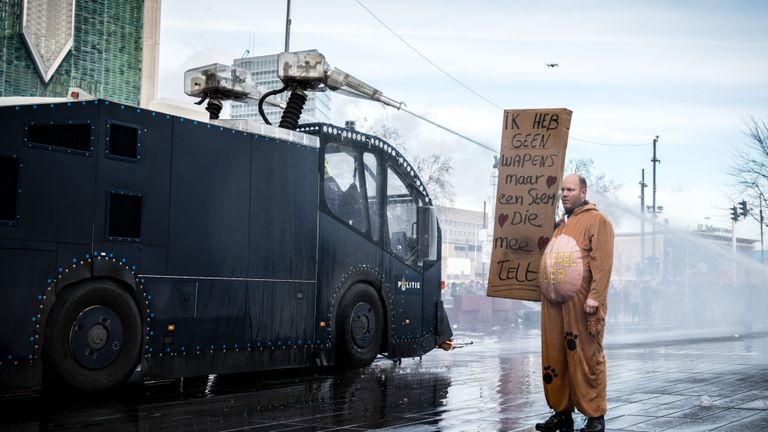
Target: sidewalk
704, 384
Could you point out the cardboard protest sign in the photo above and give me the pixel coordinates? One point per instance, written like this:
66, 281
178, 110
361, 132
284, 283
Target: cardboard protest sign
531, 163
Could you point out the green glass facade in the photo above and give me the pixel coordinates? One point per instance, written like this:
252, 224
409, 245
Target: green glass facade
105, 59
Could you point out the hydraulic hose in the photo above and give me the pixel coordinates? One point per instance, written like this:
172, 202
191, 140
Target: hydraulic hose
293, 109
264, 97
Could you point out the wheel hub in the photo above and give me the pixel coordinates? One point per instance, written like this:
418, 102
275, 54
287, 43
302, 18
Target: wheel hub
96, 337
363, 325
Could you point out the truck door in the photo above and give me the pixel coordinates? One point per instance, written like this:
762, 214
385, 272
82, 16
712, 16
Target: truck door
402, 267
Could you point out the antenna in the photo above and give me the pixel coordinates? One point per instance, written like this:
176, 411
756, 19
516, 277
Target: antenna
288, 27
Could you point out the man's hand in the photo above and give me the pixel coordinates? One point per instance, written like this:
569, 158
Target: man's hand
590, 306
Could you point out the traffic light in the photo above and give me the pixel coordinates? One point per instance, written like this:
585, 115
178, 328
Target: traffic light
744, 209
734, 214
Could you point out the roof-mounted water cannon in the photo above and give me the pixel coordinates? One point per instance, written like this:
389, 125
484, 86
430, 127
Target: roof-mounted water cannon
304, 71
300, 72
216, 83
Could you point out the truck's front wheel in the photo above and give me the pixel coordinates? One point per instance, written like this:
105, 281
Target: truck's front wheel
359, 326
93, 337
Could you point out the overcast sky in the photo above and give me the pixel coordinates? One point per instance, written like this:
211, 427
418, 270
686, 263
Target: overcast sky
691, 72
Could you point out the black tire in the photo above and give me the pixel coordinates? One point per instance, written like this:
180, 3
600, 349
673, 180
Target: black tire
93, 337
359, 326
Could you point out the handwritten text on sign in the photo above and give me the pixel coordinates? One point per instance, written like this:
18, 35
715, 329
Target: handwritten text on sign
531, 161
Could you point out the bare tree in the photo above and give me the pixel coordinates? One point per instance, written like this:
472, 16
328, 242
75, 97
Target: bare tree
749, 167
597, 182
435, 169
436, 172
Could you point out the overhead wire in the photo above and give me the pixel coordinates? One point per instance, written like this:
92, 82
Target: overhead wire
456, 80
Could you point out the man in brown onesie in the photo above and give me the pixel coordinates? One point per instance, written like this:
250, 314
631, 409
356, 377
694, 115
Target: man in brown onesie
573, 276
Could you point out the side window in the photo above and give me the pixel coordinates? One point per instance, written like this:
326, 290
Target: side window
371, 168
401, 218
341, 186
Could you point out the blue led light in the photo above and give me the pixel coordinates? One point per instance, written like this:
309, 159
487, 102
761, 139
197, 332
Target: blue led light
211, 347
74, 260
168, 349
197, 348
39, 296
31, 338
151, 332
183, 348
49, 281
61, 269
34, 319
152, 315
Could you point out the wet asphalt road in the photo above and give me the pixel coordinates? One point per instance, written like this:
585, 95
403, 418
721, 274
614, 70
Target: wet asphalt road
494, 384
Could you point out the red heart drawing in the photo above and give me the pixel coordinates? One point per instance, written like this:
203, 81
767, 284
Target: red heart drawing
543, 242
551, 180
503, 219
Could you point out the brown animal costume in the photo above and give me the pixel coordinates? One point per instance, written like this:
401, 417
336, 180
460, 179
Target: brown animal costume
576, 265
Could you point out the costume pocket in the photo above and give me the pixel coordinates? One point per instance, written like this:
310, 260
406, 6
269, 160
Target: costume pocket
596, 324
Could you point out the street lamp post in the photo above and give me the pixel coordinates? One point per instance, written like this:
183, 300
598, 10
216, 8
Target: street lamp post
654, 209
643, 185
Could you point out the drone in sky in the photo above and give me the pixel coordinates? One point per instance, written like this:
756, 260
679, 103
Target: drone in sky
552, 65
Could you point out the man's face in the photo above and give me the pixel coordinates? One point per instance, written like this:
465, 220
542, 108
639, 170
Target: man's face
573, 195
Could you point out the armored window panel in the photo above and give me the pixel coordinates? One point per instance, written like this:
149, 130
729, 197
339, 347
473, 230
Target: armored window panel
124, 216
9, 187
69, 137
123, 141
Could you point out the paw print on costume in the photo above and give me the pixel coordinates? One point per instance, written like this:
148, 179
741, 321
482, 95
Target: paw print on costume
549, 374
570, 341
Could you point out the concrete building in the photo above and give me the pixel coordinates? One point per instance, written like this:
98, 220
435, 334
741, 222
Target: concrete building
107, 48
263, 70
466, 250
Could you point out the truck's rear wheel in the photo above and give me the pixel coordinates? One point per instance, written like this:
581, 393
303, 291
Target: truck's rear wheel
359, 326
93, 337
